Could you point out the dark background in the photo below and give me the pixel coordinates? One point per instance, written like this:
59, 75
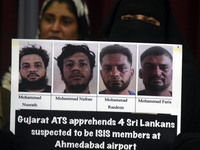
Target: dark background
186, 13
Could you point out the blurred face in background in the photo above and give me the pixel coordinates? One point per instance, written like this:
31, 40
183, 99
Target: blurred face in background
58, 22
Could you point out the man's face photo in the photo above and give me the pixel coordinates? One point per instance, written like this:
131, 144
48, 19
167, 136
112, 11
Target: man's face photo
77, 72
156, 72
116, 72
32, 68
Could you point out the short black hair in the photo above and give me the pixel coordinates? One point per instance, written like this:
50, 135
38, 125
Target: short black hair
69, 50
155, 51
114, 49
28, 50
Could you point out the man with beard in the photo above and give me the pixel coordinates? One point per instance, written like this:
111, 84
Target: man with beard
33, 64
76, 63
156, 72
116, 72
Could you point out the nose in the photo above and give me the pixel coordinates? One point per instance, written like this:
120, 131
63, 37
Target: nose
56, 26
75, 67
32, 68
157, 71
115, 71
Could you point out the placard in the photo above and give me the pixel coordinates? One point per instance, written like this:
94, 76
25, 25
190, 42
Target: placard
130, 93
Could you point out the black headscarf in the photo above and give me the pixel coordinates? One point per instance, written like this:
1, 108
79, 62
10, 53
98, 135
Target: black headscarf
115, 29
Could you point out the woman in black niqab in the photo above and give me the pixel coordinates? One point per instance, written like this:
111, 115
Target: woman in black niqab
132, 30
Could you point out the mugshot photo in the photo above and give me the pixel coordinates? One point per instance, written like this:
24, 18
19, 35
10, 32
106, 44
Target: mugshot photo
155, 70
35, 66
117, 69
75, 69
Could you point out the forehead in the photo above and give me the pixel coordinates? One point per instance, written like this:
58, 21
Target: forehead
117, 58
77, 57
160, 59
31, 58
57, 8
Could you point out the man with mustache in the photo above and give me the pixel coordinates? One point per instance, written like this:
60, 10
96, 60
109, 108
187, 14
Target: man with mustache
116, 72
156, 71
76, 63
33, 64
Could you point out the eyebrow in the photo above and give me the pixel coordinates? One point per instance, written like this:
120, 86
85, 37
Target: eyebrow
52, 15
81, 60
25, 63
165, 64
115, 65
29, 63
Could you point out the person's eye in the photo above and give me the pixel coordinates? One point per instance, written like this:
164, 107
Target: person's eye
127, 18
121, 68
69, 65
49, 19
107, 68
25, 66
38, 65
151, 21
164, 67
149, 67
66, 21
83, 64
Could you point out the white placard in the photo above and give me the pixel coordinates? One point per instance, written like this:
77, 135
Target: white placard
57, 100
